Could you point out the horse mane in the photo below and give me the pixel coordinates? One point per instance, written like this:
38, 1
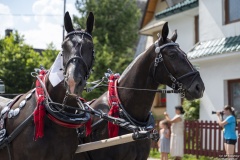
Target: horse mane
132, 63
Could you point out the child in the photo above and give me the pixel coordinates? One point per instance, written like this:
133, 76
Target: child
164, 141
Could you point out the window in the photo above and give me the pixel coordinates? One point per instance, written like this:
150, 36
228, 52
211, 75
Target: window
232, 11
160, 98
234, 95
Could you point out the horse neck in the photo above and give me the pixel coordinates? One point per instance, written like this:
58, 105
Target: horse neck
138, 75
57, 93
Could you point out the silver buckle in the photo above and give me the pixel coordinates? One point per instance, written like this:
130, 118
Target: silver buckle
2, 134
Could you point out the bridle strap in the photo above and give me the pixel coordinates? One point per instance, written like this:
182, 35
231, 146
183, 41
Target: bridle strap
78, 32
89, 68
74, 58
159, 59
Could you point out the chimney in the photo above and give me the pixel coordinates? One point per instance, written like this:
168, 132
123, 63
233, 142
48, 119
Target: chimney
8, 32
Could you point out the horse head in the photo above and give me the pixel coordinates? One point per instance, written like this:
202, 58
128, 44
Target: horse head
172, 67
78, 55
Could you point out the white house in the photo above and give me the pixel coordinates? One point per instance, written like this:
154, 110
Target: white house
209, 31
218, 55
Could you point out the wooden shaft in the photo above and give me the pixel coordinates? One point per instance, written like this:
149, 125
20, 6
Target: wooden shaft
105, 143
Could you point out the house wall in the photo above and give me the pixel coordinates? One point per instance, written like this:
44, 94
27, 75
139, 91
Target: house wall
212, 21
215, 71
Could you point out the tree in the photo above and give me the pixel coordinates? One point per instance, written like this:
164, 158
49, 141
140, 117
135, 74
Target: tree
18, 60
48, 56
115, 34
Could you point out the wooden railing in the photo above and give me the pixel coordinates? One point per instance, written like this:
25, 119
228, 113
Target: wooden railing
206, 138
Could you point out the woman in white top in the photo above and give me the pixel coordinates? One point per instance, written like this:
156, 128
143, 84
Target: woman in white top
177, 127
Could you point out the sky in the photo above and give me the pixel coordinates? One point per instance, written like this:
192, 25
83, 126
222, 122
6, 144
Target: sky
39, 21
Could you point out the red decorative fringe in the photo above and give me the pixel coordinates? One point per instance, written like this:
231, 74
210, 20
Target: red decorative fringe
88, 127
39, 112
114, 104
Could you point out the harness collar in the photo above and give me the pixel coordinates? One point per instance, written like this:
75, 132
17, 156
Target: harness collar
56, 112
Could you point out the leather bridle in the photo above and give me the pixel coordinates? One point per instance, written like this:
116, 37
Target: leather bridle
177, 82
57, 110
80, 58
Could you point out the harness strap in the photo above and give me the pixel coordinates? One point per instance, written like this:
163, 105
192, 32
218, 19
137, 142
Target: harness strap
16, 132
128, 116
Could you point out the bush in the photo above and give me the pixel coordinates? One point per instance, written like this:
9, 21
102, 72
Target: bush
191, 109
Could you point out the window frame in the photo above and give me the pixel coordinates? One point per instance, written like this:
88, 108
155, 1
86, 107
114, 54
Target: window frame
229, 82
227, 20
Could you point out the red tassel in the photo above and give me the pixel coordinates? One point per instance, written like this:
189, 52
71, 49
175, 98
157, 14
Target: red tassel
88, 127
39, 114
112, 128
113, 103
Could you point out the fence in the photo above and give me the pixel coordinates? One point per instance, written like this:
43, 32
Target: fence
205, 138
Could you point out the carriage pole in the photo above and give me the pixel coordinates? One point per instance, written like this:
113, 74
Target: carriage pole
112, 141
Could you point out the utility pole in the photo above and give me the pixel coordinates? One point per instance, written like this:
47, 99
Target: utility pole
64, 10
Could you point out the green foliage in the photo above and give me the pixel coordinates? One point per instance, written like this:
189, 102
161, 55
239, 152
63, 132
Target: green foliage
17, 62
157, 155
48, 56
154, 153
191, 109
115, 34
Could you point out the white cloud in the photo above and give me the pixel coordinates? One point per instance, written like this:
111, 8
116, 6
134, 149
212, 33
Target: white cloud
49, 27
26, 19
46, 29
6, 19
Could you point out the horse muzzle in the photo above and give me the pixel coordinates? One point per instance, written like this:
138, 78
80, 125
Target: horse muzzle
195, 90
74, 84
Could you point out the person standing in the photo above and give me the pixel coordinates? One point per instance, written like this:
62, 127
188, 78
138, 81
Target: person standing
229, 132
177, 128
164, 141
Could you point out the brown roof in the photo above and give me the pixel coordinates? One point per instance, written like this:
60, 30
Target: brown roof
149, 12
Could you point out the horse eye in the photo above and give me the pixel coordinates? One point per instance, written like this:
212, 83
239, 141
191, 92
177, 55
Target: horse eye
172, 55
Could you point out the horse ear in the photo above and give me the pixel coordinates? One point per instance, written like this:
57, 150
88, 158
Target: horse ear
68, 22
90, 22
174, 36
165, 31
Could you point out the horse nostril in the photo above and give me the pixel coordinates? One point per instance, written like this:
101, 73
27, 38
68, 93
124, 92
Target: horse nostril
198, 88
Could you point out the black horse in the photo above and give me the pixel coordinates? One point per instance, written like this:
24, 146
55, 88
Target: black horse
58, 142
162, 63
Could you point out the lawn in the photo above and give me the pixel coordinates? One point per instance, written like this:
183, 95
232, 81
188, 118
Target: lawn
156, 154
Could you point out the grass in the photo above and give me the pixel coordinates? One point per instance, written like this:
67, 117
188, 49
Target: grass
156, 154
